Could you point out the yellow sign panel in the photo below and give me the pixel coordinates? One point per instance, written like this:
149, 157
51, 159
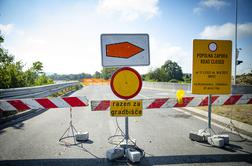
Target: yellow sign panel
211, 66
126, 108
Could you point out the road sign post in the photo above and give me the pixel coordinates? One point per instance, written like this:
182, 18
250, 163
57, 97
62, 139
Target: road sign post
126, 131
126, 83
211, 69
209, 110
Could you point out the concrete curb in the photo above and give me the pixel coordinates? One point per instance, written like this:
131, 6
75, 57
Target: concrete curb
166, 90
243, 128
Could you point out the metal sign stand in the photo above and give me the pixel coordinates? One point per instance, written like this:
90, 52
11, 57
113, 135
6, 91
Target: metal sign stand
209, 128
126, 137
209, 110
71, 129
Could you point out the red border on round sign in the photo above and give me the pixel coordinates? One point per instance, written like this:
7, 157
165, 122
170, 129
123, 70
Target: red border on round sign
215, 48
139, 86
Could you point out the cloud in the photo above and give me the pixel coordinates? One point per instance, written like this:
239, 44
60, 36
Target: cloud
6, 29
217, 4
226, 31
214, 4
197, 10
129, 10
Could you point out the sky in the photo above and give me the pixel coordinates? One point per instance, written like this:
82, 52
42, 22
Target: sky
65, 35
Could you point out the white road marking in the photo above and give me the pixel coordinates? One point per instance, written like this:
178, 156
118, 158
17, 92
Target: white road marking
143, 96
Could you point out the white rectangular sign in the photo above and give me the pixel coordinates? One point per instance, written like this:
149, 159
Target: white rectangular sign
125, 50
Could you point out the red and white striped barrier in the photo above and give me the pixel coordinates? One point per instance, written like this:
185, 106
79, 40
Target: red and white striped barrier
44, 103
104, 105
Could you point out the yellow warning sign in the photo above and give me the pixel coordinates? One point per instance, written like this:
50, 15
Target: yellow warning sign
211, 66
126, 108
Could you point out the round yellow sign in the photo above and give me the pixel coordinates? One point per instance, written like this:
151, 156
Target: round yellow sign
126, 83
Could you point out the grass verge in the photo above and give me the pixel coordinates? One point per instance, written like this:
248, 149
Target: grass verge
66, 90
241, 113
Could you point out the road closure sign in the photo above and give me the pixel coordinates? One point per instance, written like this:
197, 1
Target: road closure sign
211, 67
125, 50
125, 108
126, 83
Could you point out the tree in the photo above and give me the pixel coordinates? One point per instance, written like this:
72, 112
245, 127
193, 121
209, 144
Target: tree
172, 70
158, 75
107, 73
70, 76
169, 71
4, 56
187, 77
1, 39
37, 67
11, 75
97, 74
42, 80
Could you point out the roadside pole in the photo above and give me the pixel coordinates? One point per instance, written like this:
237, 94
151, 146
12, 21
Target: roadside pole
126, 137
209, 110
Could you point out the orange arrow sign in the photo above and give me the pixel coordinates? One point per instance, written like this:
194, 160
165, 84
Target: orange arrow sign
122, 50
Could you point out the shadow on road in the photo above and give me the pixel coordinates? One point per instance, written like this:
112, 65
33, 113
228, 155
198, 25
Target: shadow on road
18, 126
147, 161
2, 131
16, 121
177, 116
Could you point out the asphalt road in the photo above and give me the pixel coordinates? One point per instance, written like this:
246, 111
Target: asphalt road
162, 133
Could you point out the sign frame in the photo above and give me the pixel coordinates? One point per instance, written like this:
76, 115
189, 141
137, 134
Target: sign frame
140, 59
118, 93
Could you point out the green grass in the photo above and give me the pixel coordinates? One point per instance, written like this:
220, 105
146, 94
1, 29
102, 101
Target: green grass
241, 113
66, 90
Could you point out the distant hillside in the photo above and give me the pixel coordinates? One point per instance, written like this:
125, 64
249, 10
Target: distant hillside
70, 76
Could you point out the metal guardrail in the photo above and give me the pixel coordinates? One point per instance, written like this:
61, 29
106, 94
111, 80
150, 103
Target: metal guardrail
36, 91
236, 89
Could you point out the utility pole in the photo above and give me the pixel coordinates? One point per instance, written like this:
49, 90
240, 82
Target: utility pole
236, 50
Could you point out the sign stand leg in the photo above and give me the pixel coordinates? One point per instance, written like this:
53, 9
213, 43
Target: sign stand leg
71, 128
